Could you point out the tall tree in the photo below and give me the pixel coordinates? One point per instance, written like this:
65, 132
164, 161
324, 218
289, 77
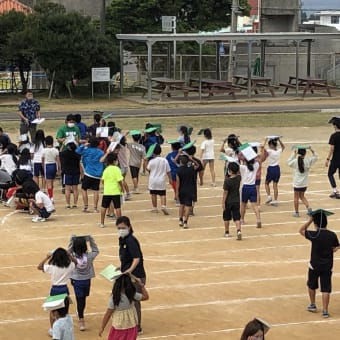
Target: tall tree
15, 47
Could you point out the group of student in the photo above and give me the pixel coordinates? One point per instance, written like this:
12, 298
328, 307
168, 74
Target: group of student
75, 264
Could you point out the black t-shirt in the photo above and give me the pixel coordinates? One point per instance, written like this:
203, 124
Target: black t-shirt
70, 162
232, 185
129, 249
187, 180
323, 242
334, 140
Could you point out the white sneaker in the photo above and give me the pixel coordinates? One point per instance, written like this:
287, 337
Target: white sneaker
135, 191
269, 199
239, 235
50, 332
274, 203
38, 219
127, 197
165, 211
101, 225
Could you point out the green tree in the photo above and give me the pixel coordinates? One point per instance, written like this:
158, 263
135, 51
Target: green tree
15, 47
67, 44
136, 16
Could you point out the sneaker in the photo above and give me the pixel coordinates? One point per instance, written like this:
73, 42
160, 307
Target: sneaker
242, 222
258, 225
63, 190
86, 210
127, 197
140, 331
191, 213
177, 203
101, 225
38, 219
274, 203
164, 210
296, 214
239, 235
50, 332
269, 199
213, 184
68, 207
82, 325
226, 234
312, 308
185, 225
74, 206
325, 314
135, 191
181, 223
95, 210
155, 210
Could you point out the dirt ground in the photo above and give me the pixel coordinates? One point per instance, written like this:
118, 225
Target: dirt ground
201, 285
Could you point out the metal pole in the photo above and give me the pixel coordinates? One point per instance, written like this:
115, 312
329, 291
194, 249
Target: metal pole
200, 72
233, 29
297, 67
309, 55
102, 16
149, 70
218, 62
121, 80
249, 67
174, 31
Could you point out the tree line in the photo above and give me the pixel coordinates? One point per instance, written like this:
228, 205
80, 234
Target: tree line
67, 44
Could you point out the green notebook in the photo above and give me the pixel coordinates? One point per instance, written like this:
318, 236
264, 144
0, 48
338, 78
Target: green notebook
111, 272
54, 302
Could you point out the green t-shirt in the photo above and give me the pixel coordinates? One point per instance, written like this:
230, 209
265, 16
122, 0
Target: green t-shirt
111, 177
69, 133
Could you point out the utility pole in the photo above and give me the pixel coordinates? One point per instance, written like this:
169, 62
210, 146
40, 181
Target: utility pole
232, 45
102, 16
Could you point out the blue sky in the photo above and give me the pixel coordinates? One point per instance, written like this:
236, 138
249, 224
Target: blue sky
317, 4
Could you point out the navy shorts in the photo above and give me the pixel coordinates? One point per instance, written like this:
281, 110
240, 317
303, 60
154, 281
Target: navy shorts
232, 211
81, 287
249, 193
56, 290
325, 280
38, 169
273, 174
115, 199
71, 179
50, 170
43, 212
134, 171
90, 183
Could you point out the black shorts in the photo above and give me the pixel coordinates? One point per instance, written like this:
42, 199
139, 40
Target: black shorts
186, 199
325, 280
107, 199
90, 183
134, 171
300, 189
232, 211
158, 192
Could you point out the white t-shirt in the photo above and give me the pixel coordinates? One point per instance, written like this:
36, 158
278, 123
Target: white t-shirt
50, 155
59, 276
248, 177
208, 149
273, 158
37, 154
158, 167
41, 197
7, 163
63, 328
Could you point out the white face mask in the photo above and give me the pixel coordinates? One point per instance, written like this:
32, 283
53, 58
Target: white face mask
70, 125
123, 232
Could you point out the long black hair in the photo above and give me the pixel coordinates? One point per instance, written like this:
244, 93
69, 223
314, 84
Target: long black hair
79, 246
123, 285
60, 258
301, 163
39, 139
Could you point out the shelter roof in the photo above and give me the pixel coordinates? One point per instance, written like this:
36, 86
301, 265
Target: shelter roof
8, 5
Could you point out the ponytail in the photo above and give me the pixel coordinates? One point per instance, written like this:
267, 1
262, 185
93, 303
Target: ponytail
301, 163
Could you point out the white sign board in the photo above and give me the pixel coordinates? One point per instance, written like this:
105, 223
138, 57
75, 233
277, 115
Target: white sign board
168, 23
100, 74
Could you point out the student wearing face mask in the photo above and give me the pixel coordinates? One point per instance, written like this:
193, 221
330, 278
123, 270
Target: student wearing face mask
131, 257
68, 133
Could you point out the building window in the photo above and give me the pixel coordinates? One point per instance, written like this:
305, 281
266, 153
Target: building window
335, 19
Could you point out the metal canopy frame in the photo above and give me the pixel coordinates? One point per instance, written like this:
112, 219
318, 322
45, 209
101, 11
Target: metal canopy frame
249, 38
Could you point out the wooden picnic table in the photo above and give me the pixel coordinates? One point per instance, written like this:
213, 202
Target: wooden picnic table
167, 85
307, 84
256, 83
213, 86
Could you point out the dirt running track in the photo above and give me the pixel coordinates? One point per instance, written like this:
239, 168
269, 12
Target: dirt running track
201, 285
